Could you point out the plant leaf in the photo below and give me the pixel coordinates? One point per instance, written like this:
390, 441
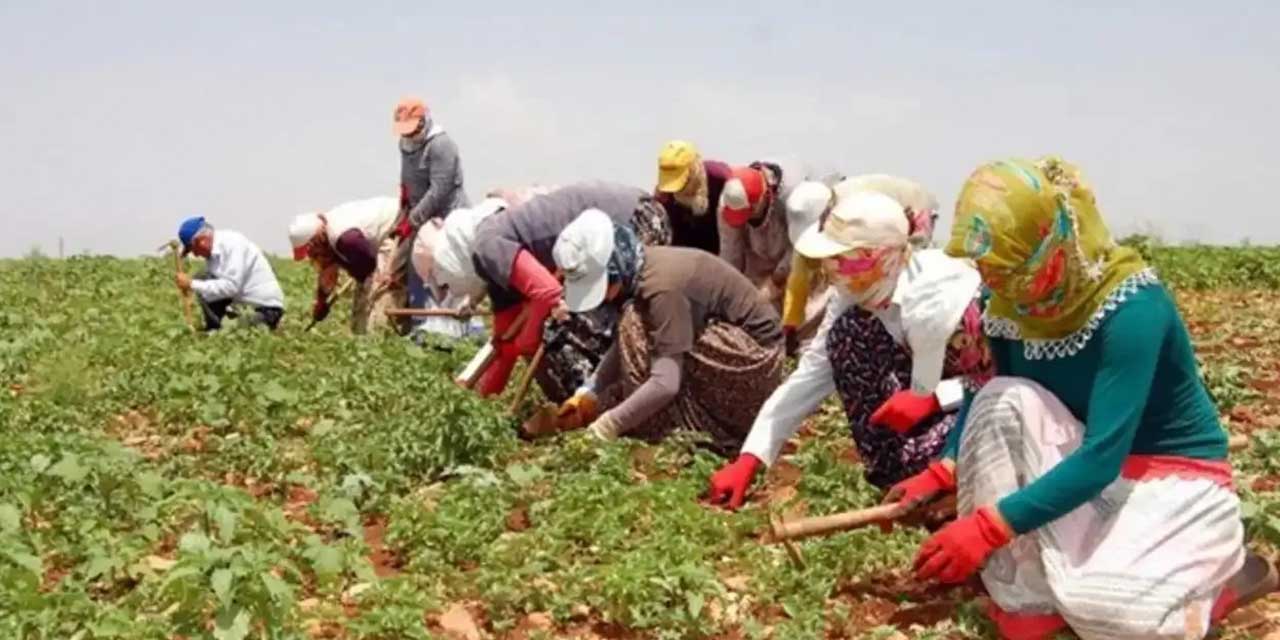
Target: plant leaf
10, 518
40, 462
326, 559
280, 590
194, 542
231, 626
221, 583
27, 561
225, 519
69, 469
695, 602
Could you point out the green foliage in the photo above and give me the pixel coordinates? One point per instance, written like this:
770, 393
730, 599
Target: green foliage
1209, 267
157, 483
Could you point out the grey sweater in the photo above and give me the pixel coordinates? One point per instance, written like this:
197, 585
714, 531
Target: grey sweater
432, 177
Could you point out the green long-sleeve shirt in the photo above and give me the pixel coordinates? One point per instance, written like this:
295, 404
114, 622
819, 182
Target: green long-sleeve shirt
1136, 389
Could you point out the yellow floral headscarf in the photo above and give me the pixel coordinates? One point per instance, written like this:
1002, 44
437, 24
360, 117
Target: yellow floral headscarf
1034, 231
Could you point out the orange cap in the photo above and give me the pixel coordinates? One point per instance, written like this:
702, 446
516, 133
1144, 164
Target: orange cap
409, 114
740, 195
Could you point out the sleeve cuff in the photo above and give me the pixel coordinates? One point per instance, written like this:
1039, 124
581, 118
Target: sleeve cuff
950, 394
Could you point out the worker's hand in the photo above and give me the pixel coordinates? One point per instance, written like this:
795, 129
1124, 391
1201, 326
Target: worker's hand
904, 410
729, 485
937, 479
959, 549
560, 312
791, 340
605, 428
381, 281
404, 229
577, 412
320, 310
183, 281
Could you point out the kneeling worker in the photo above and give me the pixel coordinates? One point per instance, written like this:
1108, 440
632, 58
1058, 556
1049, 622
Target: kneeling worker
236, 272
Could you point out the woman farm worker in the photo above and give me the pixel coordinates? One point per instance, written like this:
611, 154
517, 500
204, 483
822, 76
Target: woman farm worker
697, 349
800, 308
1092, 472
758, 229
510, 252
901, 321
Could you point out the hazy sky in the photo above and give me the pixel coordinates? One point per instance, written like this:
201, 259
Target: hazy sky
117, 119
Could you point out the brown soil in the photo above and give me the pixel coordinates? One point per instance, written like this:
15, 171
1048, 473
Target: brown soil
386, 562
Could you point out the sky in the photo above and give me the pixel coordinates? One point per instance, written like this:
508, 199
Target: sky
119, 119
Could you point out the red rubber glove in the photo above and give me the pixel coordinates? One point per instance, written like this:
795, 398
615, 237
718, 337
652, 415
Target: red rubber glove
936, 479
320, 310
904, 410
404, 230
958, 550
729, 484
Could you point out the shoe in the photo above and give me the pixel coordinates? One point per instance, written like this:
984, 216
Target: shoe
1254, 580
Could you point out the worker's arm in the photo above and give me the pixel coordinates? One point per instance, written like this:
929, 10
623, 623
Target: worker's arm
651, 397
733, 244
541, 292
798, 396
225, 278
607, 373
443, 168
796, 295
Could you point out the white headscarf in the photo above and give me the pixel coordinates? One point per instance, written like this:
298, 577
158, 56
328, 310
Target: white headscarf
932, 294
423, 255
452, 248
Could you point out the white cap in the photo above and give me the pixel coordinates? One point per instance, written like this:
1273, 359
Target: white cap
301, 230
864, 219
582, 253
805, 206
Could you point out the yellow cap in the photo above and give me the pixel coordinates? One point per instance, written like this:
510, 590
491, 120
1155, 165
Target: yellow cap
674, 162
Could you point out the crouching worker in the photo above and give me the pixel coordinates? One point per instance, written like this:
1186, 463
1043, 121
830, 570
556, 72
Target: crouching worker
356, 237
899, 343
1094, 490
237, 273
510, 253
811, 201
696, 349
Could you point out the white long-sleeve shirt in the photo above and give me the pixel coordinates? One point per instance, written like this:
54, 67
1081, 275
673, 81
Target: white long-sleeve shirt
812, 381
239, 271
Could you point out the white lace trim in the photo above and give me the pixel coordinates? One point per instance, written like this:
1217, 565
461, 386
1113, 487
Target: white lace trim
1069, 345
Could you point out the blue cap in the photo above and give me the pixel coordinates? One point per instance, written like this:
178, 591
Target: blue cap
187, 232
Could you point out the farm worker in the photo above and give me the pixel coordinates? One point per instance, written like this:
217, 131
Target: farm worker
812, 201
430, 187
689, 188
356, 237
510, 253
423, 255
900, 338
1093, 484
236, 273
757, 229
697, 349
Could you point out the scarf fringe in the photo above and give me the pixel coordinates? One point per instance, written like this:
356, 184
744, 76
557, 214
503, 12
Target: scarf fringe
1070, 344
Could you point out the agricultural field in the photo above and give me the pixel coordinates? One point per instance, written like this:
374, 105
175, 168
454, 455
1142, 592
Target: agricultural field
156, 484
